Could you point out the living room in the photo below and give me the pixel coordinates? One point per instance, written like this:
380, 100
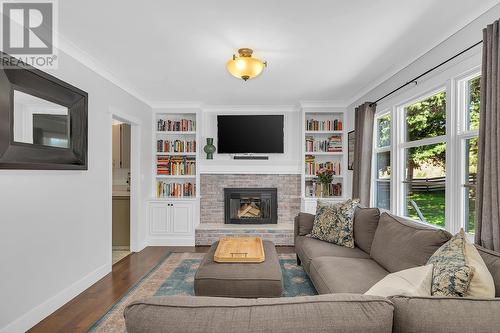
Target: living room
327, 166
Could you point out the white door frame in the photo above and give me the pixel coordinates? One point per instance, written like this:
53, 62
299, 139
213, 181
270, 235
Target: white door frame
135, 172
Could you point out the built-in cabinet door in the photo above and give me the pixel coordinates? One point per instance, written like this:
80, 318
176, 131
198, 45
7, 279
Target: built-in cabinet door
159, 218
181, 217
171, 218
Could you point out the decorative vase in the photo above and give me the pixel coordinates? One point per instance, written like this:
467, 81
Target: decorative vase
210, 148
325, 190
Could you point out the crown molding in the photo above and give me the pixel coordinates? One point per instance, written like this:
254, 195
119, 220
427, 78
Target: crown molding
88, 61
250, 108
175, 105
322, 104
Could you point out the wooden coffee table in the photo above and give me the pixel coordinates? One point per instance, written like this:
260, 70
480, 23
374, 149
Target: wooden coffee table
235, 279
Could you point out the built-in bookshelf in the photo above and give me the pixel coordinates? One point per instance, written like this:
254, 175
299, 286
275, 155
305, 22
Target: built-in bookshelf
323, 148
176, 155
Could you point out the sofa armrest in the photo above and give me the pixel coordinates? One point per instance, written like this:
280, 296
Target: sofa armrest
303, 224
445, 314
324, 313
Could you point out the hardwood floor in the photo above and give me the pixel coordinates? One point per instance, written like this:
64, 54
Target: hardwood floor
85, 309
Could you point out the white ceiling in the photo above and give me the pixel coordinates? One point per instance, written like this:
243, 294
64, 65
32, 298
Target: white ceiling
172, 51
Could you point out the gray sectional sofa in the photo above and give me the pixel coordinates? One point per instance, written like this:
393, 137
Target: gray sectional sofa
383, 244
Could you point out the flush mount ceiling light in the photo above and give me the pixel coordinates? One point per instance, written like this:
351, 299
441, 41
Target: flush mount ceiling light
244, 66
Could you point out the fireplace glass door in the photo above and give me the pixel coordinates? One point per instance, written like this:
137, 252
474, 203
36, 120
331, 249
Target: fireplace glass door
250, 206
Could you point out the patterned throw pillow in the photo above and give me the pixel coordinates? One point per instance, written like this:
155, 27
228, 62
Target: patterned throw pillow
334, 223
451, 275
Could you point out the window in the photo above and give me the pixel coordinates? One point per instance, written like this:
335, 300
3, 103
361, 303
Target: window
426, 118
426, 168
472, 103
382, 184
469, 104
424, 179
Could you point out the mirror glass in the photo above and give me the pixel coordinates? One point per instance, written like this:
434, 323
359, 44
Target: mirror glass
40, 122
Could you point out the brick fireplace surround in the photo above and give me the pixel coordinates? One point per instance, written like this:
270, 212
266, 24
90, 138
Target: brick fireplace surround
212, 225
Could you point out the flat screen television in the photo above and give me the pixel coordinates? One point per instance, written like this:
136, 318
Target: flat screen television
250, 134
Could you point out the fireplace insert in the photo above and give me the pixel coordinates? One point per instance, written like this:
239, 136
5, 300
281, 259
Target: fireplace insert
250, 206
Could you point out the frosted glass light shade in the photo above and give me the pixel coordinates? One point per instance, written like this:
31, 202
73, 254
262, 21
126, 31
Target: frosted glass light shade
244, 66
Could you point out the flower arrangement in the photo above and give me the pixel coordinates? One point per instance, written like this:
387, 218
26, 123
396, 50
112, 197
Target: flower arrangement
325, 176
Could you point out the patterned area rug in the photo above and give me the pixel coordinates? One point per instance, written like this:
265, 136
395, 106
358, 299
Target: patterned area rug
174, 275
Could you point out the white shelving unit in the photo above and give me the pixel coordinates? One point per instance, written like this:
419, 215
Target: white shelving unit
173, 218
322, 155
172, 135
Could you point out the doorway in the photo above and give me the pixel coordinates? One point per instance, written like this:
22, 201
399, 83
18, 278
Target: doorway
121, 169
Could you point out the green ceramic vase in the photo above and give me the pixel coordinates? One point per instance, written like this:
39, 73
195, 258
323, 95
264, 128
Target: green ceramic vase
209, 148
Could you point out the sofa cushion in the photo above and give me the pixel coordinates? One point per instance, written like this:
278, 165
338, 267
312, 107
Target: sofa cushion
365, 225
445, 314
451, 275
308, 248
482, 284
334, 222
303, 224
400, 243
492, 261
345, 275
316, 314
414, 281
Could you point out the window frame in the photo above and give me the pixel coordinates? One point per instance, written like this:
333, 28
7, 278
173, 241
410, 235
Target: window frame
463, 134
403, 145
376, 150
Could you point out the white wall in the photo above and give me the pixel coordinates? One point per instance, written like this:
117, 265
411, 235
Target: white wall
469, 35
55, 225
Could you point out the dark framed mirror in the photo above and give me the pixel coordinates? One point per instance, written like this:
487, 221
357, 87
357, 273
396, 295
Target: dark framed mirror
43, 120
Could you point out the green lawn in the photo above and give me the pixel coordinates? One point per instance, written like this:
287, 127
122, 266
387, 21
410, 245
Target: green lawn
432, 206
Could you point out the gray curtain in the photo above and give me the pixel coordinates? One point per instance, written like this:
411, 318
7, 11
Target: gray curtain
362, 164
488, 165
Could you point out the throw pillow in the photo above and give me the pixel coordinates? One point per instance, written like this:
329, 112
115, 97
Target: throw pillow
334, 223
482, 284
410, 282
451, 274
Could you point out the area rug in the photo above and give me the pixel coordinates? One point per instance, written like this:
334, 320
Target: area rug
174, 275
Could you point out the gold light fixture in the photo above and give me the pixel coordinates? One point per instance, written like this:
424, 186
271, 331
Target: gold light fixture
244, 66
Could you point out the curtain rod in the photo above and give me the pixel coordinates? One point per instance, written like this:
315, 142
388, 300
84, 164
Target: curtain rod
425, 73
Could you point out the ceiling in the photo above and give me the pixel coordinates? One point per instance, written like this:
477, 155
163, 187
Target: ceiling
324, 50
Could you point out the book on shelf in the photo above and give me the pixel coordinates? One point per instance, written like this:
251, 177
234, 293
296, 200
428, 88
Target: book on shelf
175, 190
324, 125
175, 165
319, 190
183, 125
176, 146
330, 145
312, 166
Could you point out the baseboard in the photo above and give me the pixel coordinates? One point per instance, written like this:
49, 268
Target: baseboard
121, 248
172, 241
41, 311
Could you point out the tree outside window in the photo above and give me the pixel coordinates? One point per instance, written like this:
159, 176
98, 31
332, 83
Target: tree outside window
425, 164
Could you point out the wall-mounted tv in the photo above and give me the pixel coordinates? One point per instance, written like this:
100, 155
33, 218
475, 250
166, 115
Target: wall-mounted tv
250, 134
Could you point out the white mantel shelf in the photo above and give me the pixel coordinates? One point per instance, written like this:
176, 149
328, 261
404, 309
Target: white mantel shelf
229, 166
